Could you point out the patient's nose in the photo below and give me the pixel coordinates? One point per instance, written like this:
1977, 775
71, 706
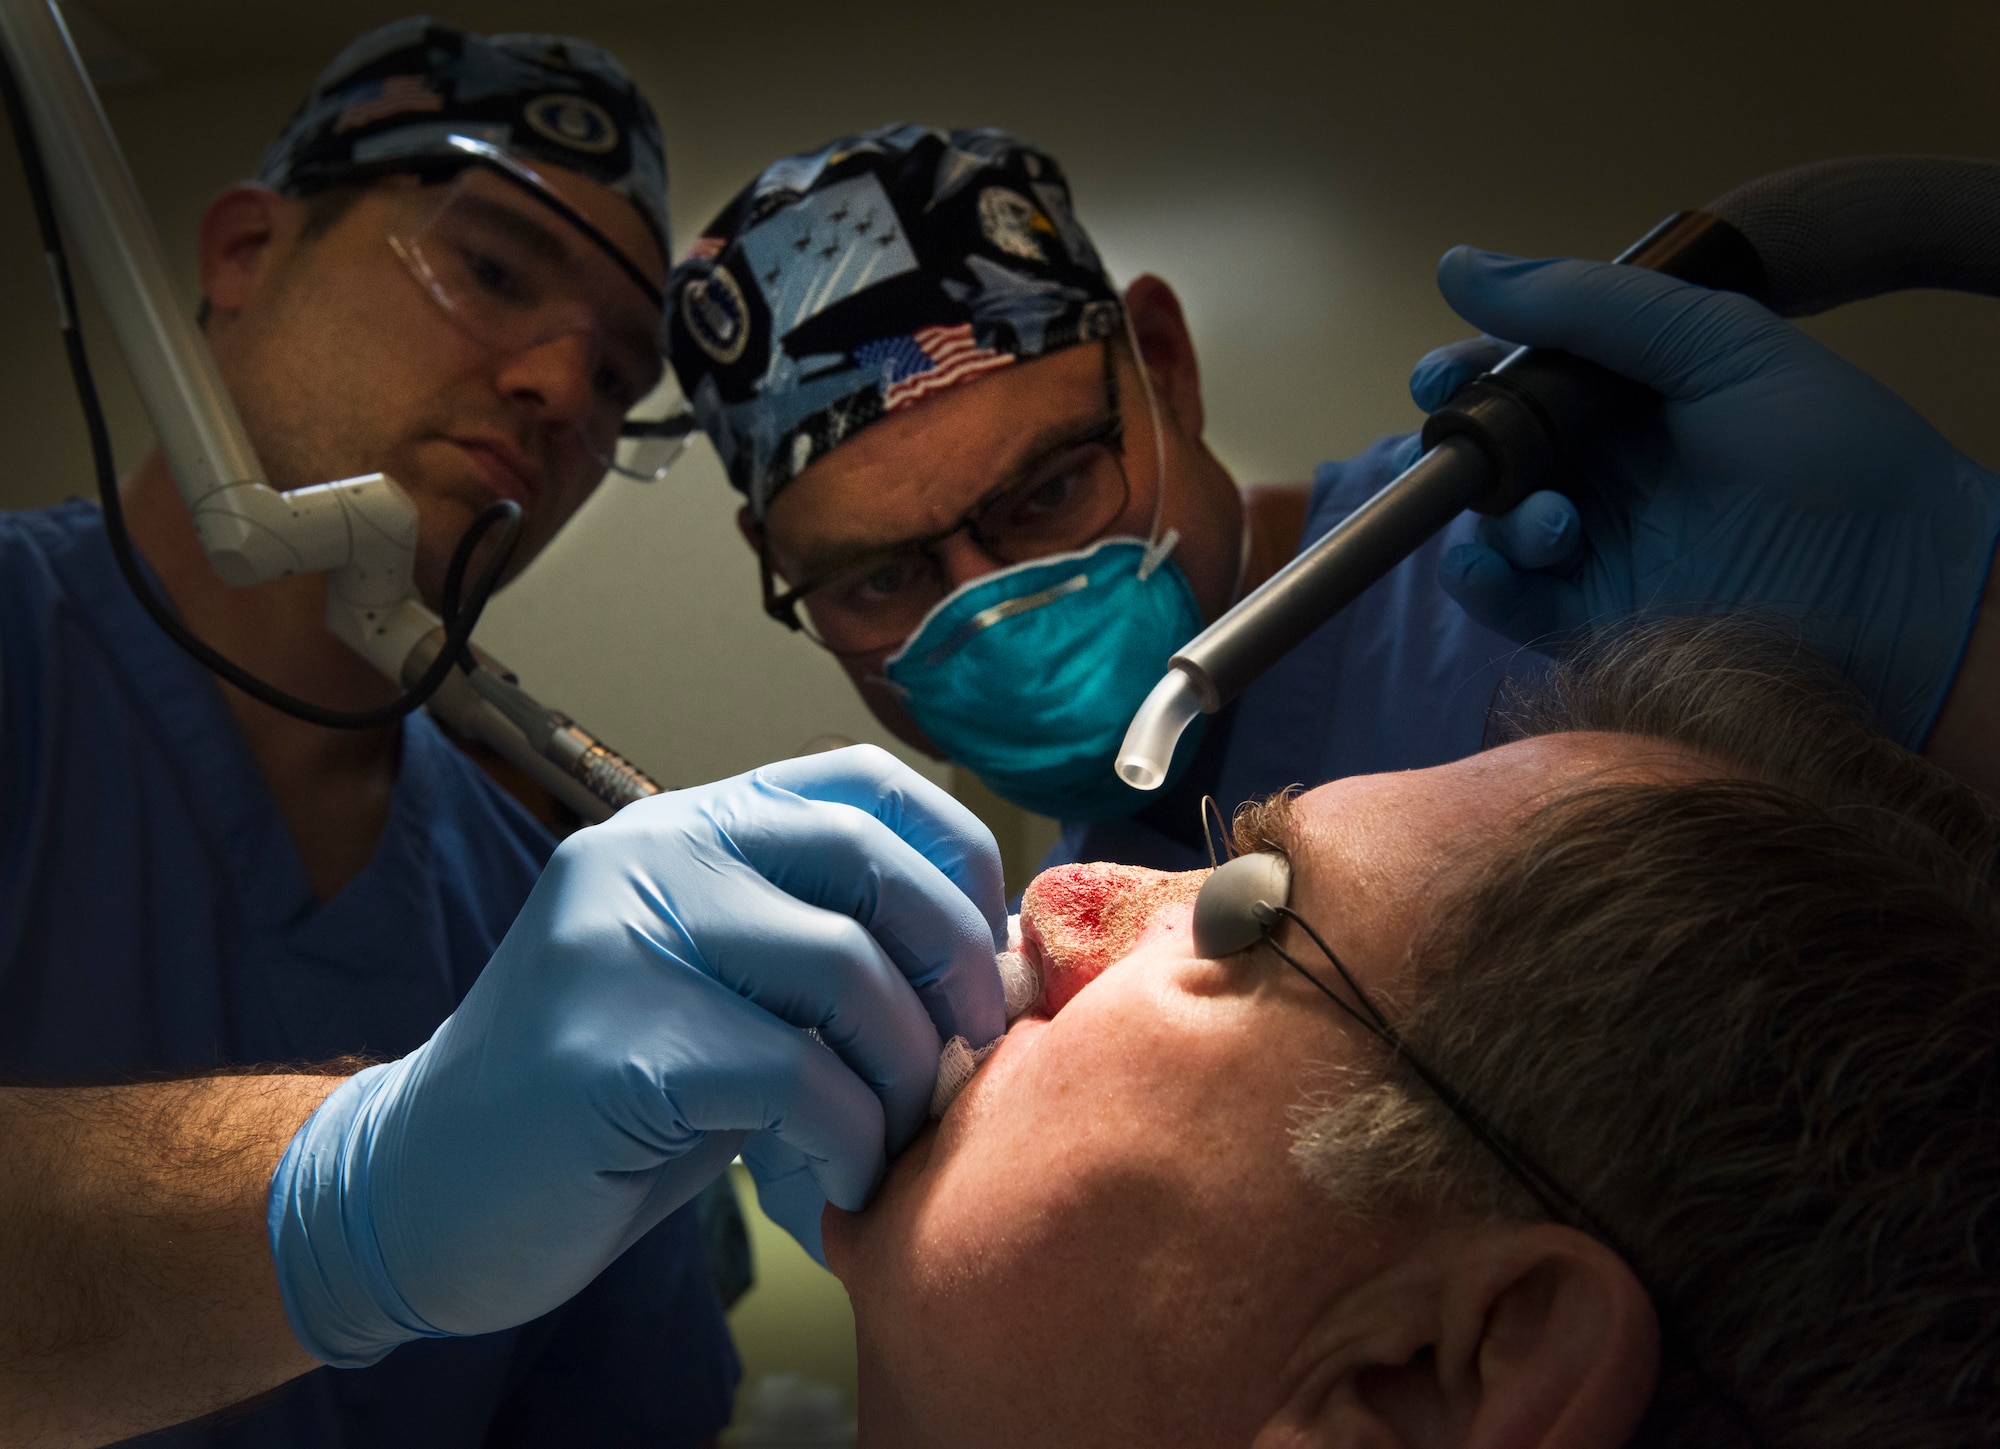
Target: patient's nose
1078, 920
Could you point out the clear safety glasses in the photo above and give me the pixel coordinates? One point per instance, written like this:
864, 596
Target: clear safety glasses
873, 603
515, 267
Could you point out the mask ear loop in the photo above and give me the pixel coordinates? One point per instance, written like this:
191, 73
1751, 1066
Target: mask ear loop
1242, 559
1158, 545
1212, 823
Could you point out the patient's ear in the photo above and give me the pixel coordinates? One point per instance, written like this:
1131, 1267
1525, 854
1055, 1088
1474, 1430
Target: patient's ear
1507, 1335
747, 526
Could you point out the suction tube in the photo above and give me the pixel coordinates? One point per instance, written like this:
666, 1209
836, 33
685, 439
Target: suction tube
1148, 750
1800, 241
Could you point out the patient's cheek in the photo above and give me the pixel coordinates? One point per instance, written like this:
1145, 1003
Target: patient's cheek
1081, 919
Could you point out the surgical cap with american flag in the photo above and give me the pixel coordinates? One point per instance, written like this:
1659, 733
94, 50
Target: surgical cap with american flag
851, 281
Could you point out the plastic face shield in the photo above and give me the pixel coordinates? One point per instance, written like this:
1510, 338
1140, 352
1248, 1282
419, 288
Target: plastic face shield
515, 268
654, 434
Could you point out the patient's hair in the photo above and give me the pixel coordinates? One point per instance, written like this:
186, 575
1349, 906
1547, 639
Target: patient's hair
1753, 1023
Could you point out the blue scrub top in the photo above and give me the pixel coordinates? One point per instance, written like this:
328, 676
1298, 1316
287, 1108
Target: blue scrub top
1401, 679
155, 918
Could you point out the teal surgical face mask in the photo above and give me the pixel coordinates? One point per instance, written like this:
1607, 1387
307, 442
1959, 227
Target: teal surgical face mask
1029, 676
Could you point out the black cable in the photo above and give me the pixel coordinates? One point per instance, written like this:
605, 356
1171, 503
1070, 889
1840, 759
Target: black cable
1542, 1185
1209, 809
505, 511
678, 426
1551, 1195
458, 624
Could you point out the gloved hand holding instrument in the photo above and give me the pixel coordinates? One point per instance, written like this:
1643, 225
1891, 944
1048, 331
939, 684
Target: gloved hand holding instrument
1773, 475
1764, 474
766, 965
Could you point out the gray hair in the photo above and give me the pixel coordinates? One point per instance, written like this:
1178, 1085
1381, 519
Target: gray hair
1754, 1023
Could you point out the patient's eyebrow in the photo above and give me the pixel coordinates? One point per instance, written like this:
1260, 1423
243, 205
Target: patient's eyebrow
1268, 824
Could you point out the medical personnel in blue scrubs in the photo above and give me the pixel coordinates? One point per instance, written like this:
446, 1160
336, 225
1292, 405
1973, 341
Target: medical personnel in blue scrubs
190, 881
974, 471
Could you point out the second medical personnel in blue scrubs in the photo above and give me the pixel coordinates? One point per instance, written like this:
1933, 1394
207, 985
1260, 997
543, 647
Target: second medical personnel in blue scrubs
975, 471
940, 411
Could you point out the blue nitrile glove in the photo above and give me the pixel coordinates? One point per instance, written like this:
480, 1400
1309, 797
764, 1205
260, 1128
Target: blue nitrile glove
642, 1021
1541, 533
1774, 478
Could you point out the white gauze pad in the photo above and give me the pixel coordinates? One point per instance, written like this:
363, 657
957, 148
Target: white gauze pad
1023, 987
956, 1064
1018, 976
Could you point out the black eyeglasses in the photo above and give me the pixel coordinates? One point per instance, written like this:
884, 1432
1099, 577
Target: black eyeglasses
874, 602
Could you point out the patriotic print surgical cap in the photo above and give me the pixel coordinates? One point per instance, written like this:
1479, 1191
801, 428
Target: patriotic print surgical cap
851, 281
390, 99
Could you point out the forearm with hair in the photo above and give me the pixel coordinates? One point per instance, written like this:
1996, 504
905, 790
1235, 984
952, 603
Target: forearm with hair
136, 1284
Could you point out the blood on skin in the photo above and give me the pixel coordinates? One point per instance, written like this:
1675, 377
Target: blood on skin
1080, 919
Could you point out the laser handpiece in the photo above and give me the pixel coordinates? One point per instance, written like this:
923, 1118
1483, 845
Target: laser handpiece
1800, 241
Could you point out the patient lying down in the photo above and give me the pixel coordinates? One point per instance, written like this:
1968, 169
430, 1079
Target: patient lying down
1701, 947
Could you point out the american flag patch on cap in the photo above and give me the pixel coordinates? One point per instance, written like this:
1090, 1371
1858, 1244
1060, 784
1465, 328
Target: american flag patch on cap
927, 361
391, 96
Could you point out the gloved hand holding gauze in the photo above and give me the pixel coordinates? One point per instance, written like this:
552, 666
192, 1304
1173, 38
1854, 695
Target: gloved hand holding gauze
764, 965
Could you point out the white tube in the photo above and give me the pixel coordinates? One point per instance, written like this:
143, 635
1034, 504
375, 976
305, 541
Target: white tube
1148, 751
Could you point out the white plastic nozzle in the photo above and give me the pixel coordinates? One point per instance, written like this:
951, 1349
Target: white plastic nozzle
1148, 751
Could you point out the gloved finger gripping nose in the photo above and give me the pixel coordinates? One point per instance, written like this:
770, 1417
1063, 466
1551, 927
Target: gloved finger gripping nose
934, 897
938, 827
929, 923
833, 977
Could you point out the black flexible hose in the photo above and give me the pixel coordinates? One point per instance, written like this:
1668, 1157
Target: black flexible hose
458, 622
1834, 232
